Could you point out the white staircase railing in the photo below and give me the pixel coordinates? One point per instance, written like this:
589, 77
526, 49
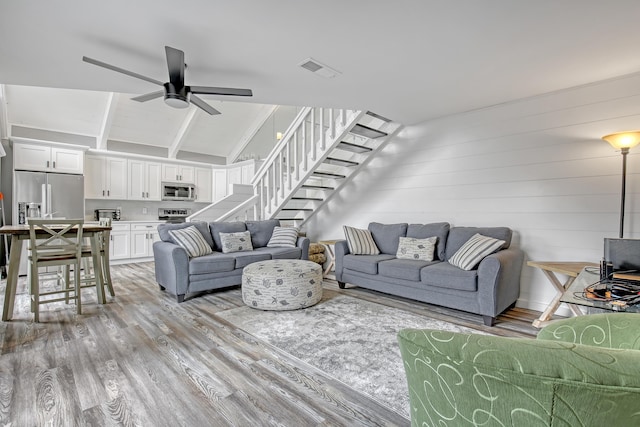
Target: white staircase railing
305, 144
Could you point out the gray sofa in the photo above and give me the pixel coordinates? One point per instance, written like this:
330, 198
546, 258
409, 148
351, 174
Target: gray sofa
179, 274
489, 289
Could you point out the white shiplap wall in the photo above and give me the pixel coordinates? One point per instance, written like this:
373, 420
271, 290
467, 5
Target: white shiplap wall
536, 165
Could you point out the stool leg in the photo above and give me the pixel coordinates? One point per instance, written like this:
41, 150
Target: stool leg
35, 293
76, 277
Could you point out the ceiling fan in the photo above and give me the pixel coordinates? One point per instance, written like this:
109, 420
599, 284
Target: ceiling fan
175, 92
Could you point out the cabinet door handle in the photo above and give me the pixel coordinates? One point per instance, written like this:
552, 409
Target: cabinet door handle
147, 194
108, 192
103, 192
143, 194
54, 165
47, 163
111, 238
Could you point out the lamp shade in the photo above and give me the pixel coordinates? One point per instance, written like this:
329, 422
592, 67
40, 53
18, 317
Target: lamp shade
622, 140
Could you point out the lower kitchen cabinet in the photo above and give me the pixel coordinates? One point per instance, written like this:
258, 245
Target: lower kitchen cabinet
119, 246
142, 237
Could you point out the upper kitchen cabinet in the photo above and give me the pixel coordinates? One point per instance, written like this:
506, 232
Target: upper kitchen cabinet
106, 178
204, 185
44, 158
144, 180
178, 173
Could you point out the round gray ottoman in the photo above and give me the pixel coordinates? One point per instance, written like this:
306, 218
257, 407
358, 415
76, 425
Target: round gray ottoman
282, 284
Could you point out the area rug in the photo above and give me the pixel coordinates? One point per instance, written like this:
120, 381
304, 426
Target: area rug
349, 339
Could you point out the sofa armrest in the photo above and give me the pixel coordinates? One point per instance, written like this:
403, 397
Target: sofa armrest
172, 267
609, 330
499, 280
341, 248
303, 244
454, 378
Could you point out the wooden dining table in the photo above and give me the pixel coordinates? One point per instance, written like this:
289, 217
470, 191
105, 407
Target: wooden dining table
20, 233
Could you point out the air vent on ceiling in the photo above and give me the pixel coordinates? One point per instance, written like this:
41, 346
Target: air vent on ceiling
318, 68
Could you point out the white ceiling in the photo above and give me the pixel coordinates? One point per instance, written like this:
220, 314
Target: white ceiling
408, 60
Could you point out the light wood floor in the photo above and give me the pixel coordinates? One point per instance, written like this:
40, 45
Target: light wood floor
143, 359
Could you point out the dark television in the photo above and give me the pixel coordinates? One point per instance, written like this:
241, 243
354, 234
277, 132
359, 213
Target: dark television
624, 254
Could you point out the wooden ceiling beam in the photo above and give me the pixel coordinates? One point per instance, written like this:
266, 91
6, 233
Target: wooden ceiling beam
107, 120
182, 132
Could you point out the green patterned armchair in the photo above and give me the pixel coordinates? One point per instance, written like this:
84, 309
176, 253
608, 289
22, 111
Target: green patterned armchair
582, 371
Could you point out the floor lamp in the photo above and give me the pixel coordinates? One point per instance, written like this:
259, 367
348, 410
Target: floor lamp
623, 141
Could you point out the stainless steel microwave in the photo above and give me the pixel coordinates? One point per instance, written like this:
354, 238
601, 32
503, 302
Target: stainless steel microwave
178, 191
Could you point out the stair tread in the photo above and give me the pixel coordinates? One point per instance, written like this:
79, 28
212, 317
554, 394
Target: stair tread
334, 161
315, 199
354, 148
367, 131
318, 187
329, 174
298, 209
378, 116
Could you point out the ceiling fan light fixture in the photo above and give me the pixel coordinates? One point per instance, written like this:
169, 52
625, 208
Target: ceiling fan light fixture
176, 98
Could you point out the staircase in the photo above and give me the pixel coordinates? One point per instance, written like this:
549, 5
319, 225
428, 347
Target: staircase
321, 151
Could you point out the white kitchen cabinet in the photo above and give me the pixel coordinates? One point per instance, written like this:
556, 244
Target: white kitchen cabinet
45, 158
144, 180
143, 235
106, 178
234, 175
204, 185
178, 173
219, 184
119, 244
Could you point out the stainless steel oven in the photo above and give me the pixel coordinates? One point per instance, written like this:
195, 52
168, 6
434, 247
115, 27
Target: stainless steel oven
173, 215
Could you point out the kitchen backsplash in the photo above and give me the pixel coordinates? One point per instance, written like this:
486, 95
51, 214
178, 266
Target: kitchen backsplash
132, 210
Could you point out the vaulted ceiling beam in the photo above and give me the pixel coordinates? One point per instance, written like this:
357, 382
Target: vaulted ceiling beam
182, 132
263, 115
107, 120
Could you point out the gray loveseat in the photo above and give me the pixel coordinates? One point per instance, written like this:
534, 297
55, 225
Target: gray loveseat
179, 274
489, 289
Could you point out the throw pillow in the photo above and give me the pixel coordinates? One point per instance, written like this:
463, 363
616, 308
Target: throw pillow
420, 249
236, 242
283, 237
192, 241
360, 241
474, 250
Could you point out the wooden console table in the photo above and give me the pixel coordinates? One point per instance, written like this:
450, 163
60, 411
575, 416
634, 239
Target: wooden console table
571, 269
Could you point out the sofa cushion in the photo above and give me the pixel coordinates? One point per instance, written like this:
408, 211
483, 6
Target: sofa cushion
245, 258
224, 227
360, 241
261, 231
203, 228
192, 241
216, 262
474, 250
445, 275
458, 236
417, 249
437, 229
236, 242
387, 236
283, 237
365, 263
281, 253
407, 269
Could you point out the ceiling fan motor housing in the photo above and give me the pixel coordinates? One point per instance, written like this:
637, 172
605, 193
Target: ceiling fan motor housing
174, 96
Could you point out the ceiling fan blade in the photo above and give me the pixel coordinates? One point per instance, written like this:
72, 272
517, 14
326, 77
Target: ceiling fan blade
149, 96
198, 102
175, 62
206, 90
120, 70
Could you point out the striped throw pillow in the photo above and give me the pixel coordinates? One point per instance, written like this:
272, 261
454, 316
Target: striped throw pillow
192, 241
360, 241
474, 250
283, 237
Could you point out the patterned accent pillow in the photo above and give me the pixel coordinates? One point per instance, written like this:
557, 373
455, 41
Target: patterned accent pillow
360, 241
474, 250
283, 237
192, 241
419, 249
236, 242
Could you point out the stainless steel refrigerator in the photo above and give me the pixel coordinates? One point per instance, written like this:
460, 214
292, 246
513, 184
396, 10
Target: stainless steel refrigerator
59, 196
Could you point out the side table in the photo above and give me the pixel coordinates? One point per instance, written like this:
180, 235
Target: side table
331, 256
571, 269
